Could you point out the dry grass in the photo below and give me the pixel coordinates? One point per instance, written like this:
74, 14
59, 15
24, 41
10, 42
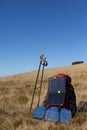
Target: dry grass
15, 97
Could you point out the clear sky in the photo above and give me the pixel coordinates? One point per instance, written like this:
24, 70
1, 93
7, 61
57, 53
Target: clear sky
28, 28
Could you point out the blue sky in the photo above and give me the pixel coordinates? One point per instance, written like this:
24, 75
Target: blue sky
28, 28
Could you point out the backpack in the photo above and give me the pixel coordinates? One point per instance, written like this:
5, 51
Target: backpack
61, 93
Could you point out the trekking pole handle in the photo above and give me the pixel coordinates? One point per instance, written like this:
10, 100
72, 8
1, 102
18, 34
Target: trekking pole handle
41, 58
45, 63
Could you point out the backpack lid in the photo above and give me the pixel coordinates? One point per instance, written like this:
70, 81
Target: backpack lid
66, 76
57, 84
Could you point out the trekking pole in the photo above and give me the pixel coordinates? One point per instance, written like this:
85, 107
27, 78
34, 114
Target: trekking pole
44, 63
41, 59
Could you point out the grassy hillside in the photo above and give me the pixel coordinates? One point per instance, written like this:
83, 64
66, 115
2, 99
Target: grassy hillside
16, 93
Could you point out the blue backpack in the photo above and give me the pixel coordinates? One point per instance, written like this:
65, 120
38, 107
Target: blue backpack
56, 106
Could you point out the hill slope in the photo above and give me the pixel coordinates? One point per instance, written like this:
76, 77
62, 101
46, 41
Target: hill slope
16, 93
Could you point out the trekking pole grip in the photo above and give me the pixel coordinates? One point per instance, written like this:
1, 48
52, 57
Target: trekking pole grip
45, 63
41, 58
